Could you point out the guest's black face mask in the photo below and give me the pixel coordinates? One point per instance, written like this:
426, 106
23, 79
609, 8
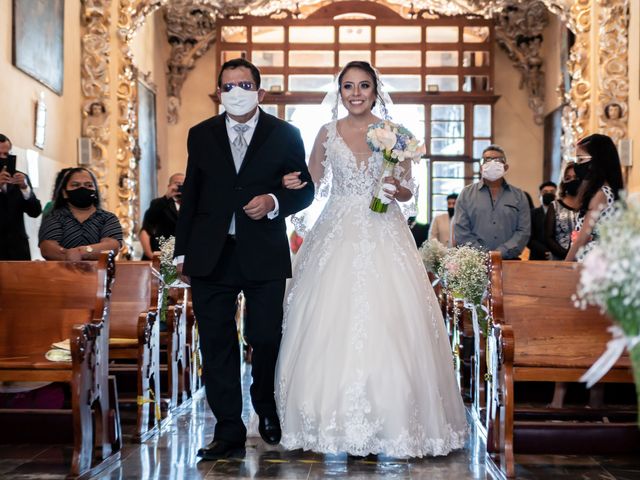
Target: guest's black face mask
451, 211
572, 187
81, 197
582, 169
547, 198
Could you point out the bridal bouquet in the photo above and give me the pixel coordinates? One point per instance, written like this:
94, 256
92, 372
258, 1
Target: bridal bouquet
397, 144
610, 279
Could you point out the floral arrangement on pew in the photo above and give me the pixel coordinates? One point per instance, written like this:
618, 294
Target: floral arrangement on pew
610, 279
432, 253
464, 272
168, 273
397, 144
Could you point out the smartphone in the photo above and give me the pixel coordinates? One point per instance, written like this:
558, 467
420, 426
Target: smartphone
180, 190
9, 163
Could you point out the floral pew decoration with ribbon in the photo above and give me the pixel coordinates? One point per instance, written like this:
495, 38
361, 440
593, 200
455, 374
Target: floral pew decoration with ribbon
432, 253
610, 279
464, 272
168, 274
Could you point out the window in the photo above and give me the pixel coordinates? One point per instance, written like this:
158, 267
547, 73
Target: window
438, 71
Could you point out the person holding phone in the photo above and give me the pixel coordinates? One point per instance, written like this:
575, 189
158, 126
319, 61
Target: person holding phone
161, 217
16, 198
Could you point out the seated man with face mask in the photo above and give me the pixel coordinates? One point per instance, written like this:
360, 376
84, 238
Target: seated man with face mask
492, 214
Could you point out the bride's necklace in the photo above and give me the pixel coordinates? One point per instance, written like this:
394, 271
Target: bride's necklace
356, 127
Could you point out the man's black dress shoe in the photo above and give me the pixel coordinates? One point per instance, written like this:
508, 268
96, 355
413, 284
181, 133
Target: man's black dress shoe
269, 428
219, 449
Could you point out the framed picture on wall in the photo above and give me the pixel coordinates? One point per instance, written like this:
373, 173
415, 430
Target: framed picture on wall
38, 40
552, 165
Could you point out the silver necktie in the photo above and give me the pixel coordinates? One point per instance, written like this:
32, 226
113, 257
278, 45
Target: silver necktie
239, 145
238, 150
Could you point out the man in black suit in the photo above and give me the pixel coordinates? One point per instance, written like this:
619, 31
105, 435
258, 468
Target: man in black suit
161, 217
16, 199
420, 231
537, 246
231, 237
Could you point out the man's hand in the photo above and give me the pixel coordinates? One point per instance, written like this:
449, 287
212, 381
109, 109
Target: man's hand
171, 191
20, 179
259, 206
292, 181
185, 278
5, 178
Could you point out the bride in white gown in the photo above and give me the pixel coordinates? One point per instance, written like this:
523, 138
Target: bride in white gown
364, 364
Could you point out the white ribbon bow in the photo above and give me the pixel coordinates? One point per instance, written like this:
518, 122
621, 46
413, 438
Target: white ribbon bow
474, 316
615, 348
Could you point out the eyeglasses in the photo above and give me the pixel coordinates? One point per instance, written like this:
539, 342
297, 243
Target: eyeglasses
583, 158
227, 87
494, 159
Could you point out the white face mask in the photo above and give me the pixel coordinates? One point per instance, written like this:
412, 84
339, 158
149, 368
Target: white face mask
493, 171
239, 101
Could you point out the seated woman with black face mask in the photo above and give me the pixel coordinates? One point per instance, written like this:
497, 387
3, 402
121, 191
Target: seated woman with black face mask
560, 220
77, 228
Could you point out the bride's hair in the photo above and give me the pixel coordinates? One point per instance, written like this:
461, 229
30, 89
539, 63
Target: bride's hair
365, 67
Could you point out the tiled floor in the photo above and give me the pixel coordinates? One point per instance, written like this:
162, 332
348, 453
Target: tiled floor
172, 455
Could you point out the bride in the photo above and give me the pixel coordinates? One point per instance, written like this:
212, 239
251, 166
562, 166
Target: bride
364, 365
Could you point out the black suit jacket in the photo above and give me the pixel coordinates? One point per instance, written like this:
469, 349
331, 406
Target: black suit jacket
537, 244
213, 192
14, 243
420, 233
160, 220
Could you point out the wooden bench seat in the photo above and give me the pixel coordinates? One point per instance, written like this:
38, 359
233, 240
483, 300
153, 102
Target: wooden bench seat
42, 303
538, 335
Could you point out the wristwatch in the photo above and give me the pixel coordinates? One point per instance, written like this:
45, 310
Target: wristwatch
88, 249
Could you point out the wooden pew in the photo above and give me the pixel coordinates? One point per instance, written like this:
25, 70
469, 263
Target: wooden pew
539, 335
134, 344
46, 302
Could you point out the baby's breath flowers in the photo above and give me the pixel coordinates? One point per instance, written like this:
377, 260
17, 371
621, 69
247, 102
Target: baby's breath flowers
432, 253
610, 279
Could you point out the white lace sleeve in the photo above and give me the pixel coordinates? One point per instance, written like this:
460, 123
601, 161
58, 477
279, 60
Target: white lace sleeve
403, 172
320, 170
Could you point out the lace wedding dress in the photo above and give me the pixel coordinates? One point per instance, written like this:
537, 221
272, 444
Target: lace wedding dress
364, 365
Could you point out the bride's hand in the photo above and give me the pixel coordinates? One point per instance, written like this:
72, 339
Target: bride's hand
292, 181
395, 187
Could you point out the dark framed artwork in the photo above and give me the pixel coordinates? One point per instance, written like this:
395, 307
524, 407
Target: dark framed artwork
38, 40
552, 165
147, 143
